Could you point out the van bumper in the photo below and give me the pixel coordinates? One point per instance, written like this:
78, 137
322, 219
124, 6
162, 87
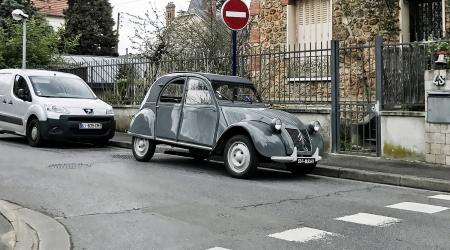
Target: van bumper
67, 128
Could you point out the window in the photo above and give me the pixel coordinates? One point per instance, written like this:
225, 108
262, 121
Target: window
21, 83
309, 23
426, 19
232, 92
5, 81
173, 92
198, 92
61, 87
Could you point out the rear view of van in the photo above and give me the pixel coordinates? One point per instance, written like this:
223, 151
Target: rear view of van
46, 105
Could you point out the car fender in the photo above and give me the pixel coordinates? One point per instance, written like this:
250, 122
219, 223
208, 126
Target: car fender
266, 141
143, 124
37, 111
317, 142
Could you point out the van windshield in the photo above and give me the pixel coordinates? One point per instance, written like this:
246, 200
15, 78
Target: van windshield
61, 87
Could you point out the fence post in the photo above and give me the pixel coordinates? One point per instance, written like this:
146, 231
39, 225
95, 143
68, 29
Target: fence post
334, 96
379, 81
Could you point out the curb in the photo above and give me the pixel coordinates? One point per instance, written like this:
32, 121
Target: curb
362, 175
384, 178
34, 230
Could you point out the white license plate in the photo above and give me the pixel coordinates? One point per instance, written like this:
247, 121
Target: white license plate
90, 126
305, 161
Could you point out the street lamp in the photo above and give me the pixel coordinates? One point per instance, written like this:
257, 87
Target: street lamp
19, 15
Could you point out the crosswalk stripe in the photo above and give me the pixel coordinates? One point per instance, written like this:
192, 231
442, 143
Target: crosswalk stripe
441, 197
418, 207
370, 219
302, 234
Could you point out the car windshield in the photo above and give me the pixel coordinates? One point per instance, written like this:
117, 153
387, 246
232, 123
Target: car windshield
235, 92
61, 87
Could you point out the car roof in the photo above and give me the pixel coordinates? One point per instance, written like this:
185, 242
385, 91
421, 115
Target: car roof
35, 72
213, 77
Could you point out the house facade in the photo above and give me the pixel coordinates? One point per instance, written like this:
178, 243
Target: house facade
297, 22
53, 10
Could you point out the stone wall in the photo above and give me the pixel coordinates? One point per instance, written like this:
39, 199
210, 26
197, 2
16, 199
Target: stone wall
447, 18
359, 21
437, 135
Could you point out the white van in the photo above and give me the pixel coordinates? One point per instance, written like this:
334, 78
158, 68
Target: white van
46, 105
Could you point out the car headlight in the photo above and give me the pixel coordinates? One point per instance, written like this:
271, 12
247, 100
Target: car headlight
110, 111
277, 124
56, 109
315, 127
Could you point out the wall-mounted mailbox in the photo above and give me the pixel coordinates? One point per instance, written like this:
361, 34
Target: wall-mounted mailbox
438, 107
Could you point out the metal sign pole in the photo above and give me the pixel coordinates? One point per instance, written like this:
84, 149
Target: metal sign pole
234, 58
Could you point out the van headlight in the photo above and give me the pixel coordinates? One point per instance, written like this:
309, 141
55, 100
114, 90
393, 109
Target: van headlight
56, 109
110, 111
277, 124
315, 127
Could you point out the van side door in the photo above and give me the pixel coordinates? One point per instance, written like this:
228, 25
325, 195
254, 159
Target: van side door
18, 103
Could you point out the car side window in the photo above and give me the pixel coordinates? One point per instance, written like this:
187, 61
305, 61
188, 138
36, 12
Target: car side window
173, 92
20, 88
198, 92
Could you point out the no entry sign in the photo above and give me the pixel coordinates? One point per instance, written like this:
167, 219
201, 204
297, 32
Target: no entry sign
235, 14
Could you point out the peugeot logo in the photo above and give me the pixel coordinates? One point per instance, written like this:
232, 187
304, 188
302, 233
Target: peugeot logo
89, 111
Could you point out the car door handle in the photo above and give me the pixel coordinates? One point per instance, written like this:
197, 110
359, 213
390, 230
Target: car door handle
4, 101
10, 103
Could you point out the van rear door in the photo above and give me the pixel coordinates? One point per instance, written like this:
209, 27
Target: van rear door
6, 81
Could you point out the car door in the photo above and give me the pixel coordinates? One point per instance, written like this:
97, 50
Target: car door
17, 104
168, 110
200, 114
6, 81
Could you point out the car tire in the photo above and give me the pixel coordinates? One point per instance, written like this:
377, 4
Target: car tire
198, 154
299, 170
240, 157
143, 149
33, 134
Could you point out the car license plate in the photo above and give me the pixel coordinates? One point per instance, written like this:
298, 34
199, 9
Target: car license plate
90, 126
305, 161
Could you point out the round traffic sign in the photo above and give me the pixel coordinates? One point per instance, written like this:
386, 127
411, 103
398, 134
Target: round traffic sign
235, 14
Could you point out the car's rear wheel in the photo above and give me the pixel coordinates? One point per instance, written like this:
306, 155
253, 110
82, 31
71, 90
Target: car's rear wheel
143, 149
300, 170
240, 157
34, 133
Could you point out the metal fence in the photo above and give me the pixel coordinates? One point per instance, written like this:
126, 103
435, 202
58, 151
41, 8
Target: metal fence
290, 75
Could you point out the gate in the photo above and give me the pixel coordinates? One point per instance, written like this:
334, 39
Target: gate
356, 87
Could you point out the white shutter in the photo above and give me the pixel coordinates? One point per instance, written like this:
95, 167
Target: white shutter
314, 18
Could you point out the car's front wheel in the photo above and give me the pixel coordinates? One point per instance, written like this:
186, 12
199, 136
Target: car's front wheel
240, 157
34, 133
300, 170
143, 149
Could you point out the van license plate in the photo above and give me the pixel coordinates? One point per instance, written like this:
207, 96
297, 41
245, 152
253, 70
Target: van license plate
90, 126
305, 161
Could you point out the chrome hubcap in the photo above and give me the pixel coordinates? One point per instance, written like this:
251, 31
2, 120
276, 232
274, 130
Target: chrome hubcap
34, 133
238, 157
141, 146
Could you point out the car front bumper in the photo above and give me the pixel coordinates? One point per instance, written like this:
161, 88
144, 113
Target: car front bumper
67, 128
294, 157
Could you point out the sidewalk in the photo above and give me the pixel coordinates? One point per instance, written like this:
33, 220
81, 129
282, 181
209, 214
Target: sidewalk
370, 169
30, 230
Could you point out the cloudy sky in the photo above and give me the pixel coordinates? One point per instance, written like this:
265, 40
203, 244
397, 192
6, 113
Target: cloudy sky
138, 8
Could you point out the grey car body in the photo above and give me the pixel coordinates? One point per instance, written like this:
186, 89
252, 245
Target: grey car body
206, 126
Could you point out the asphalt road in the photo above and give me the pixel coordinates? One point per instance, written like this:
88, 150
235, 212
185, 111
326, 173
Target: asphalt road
106, 200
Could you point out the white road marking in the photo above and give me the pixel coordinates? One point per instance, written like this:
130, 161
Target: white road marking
370, 219
441, 197
236, 14
418, 207
217, 248
302, 234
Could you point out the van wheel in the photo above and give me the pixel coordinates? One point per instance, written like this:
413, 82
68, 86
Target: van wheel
143, 149
34, 134
240, 157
